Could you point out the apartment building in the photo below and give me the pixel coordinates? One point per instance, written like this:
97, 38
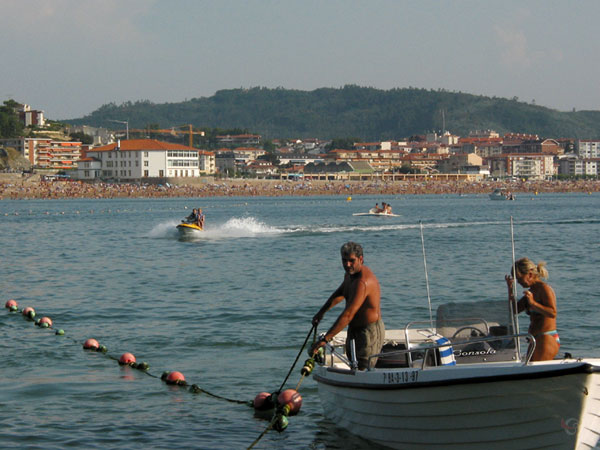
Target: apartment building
46, 153
239, 139
576, 165
534, 166
588, 148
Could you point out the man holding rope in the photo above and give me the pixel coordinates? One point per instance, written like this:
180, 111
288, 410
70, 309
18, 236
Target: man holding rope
362, 313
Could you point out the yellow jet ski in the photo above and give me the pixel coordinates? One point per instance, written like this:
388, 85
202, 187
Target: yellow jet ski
188, 229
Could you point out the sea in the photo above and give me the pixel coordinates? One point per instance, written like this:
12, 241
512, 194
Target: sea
231, 309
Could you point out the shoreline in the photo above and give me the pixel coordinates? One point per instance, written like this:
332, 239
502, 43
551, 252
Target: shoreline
18, 187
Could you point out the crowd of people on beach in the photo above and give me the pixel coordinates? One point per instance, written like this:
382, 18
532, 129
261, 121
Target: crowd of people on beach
26, 188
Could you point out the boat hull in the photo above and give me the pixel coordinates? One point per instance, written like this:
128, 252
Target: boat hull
189, 229
376, 214
421, 409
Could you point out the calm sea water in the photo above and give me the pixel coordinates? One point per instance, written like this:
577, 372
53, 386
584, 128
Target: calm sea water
231, 309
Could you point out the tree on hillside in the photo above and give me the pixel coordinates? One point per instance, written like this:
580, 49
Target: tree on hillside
269, 147
85, 139
271, 157
343, 143
10, 124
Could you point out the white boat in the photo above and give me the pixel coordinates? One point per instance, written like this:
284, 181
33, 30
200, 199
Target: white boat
501, 194
462, 381
373, 212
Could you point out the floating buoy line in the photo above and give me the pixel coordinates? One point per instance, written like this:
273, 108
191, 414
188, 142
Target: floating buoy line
282, 403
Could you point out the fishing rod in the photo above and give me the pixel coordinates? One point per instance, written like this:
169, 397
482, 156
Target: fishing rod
426, 276
513, 305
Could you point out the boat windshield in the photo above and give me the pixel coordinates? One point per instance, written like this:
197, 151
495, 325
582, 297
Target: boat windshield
465, 321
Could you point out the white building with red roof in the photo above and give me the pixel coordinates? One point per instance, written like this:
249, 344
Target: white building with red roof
137, 159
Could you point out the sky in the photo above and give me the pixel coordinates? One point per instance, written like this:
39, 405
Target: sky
69, 57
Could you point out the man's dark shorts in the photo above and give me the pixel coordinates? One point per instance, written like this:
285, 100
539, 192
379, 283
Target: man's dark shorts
368, 341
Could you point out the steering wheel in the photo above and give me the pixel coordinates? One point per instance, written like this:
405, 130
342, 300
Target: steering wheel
478, 332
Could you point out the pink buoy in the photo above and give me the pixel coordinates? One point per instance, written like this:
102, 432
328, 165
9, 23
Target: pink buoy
292, 398
29, 312
91, 344
11, 303
126, 358
47, 321
262, 401
175, 378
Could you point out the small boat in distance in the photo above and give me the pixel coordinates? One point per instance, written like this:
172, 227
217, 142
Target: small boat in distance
501, 194
372, 212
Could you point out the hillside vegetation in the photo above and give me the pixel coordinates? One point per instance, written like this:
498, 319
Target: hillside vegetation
371, 114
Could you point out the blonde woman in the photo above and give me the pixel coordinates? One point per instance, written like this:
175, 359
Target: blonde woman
539, 301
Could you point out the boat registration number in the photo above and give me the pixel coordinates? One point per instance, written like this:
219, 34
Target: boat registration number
401, 377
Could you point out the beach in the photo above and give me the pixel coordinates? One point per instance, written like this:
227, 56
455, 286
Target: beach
31, 186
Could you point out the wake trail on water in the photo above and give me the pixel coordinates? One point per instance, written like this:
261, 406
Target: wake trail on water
243, 227
234, 227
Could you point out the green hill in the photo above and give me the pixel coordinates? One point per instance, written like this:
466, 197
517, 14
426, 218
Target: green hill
368, 113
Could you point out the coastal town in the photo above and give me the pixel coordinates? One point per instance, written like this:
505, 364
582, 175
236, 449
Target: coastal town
124, 162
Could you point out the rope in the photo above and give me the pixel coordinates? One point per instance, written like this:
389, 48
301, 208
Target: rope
277, 414
143, 367
263, 433
297, 357
280, 413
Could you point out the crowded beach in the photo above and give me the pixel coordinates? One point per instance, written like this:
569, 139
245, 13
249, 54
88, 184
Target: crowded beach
16, 186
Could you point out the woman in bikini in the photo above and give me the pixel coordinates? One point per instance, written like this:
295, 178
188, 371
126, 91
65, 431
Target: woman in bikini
540, 303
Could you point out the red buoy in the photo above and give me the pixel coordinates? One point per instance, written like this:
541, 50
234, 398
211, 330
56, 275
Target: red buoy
175, 378
262, 401
292, 398
29, 312
46, 322
10, 303
91, 344
126, 358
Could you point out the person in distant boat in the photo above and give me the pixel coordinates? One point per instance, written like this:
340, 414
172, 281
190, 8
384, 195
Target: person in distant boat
388, 208
200, 218
377, 208
193, 217
362, 313
540, 303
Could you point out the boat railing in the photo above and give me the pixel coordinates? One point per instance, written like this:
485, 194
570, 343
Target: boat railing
426, 349
467, 320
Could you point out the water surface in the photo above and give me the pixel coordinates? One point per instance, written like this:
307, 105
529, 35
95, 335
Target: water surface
231, 309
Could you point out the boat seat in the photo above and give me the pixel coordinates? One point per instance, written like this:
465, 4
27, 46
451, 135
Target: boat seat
392, 361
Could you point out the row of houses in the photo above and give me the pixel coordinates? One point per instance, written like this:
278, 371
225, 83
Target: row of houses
522, 156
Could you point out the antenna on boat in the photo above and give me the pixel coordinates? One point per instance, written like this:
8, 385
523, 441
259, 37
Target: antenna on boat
426, 276
513, 308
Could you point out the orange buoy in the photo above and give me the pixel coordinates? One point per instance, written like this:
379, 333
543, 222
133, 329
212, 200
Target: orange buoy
45, 322
292, 398
263, 401
11, 303
29, 312
91, 344
175, 378
126, 358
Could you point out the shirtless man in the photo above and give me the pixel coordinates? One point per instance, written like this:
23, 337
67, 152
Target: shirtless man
362, 313
540, 303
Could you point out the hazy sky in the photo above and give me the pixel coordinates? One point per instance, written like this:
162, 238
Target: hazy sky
69, 57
